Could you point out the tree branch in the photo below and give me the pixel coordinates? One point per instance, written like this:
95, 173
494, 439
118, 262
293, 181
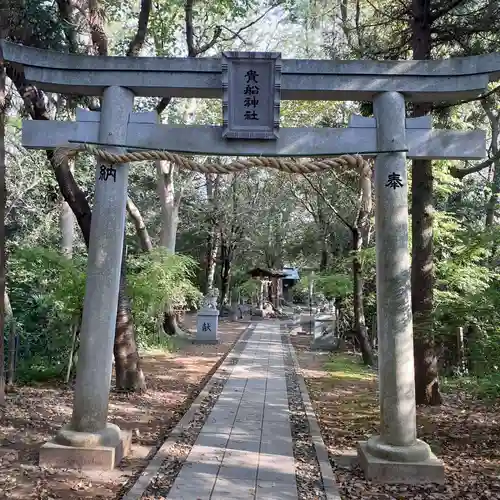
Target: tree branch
140, 226
20, 195
443, 34
137, 42
66, 13
194, 51
96, 23
188, 9
390, 16
472, 99
460, 173
444, 10
327, 202
304, 203
162, 105
211, 43
495, 123
236, 34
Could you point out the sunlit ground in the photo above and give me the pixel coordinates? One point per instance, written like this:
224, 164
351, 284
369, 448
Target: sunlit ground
33, 415
464, 432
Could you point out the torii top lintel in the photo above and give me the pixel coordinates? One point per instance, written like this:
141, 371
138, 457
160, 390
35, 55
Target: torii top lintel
302, 79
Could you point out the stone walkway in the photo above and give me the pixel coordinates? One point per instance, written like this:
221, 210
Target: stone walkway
244, 450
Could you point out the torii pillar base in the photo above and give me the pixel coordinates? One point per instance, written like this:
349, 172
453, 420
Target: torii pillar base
430, 470
85, 450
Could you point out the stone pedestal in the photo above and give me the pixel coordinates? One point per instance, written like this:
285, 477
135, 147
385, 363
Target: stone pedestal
89, 441
396, 455
87, 451
428, 470
207, 327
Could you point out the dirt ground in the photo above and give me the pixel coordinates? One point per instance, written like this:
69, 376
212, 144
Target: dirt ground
33, 415
465, 434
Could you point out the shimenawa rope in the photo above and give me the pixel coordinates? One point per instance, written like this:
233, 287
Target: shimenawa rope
289, 166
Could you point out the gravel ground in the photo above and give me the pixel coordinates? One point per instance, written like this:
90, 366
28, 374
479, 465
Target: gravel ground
160, 485
308, 474
177, 454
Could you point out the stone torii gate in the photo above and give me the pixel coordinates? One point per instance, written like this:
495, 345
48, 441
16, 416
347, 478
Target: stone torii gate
396, 455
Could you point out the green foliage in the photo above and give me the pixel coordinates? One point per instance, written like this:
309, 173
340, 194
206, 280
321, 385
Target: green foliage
467, 291
301, 289
46, 292
486, 387
349, 367
160, 281
334, 285
249, 288
36, 23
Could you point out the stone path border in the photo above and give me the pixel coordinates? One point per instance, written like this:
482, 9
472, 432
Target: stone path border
143, 481
210, 391
307, 470
328, 476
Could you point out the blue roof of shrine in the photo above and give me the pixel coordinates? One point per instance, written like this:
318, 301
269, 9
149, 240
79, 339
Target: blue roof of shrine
292, 273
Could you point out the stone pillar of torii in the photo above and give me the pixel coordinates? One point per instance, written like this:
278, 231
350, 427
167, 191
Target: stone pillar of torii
251, 85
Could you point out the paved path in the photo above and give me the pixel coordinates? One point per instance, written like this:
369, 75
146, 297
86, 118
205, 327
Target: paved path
244, 450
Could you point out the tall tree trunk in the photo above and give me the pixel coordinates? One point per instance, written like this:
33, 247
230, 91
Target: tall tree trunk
169, 203
172, 222
129, 375
140, 226
170, 198
225, 269
11, 358
212, 251
67, 224
3, 105
228, 242
359, 310
494, 199
322, 222
422, 267
67, 229
213, 239
422, 277
323, 265
169, 207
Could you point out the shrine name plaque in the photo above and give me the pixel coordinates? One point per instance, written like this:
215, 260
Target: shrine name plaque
251, 84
